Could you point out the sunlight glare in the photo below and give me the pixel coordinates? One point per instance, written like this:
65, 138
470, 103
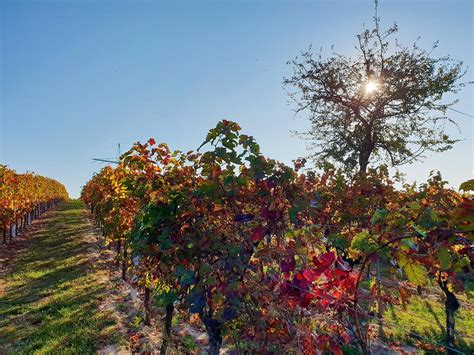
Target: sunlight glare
371, 86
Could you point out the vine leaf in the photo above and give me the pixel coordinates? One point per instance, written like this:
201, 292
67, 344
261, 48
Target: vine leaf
445, 259
379, 215
467, 185
416, 273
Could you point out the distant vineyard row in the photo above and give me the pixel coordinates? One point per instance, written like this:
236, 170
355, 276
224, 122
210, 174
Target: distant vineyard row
23, 197
274, 258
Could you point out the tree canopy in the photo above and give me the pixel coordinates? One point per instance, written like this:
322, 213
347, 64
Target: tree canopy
388, 104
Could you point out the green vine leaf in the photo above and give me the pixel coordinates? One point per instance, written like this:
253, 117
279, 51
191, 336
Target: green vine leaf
416, 273
445, 259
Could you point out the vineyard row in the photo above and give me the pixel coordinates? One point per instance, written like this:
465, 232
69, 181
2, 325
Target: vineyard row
275, 258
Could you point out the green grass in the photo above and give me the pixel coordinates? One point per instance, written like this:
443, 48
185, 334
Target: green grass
53, 291
425, 316
189, 343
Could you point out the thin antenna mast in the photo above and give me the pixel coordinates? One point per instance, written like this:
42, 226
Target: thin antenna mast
110, 160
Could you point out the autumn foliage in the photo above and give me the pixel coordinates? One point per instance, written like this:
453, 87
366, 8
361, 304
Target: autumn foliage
24, 196
273, 258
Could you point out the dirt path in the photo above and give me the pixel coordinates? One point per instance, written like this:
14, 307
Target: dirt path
53, 283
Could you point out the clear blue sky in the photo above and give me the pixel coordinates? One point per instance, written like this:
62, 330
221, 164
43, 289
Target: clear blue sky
77, 77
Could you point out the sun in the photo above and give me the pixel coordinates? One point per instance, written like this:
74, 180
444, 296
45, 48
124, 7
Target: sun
371, 86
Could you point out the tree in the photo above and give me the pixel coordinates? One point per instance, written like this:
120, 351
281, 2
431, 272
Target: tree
387, 104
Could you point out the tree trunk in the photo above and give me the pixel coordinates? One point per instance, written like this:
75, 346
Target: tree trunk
379, 304
118, 253
124, 261
214, 331
167, 332
451, 305
146, 304
363, 162
364, 154
4, 234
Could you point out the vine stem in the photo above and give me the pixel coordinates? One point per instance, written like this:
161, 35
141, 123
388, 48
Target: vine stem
361, 338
